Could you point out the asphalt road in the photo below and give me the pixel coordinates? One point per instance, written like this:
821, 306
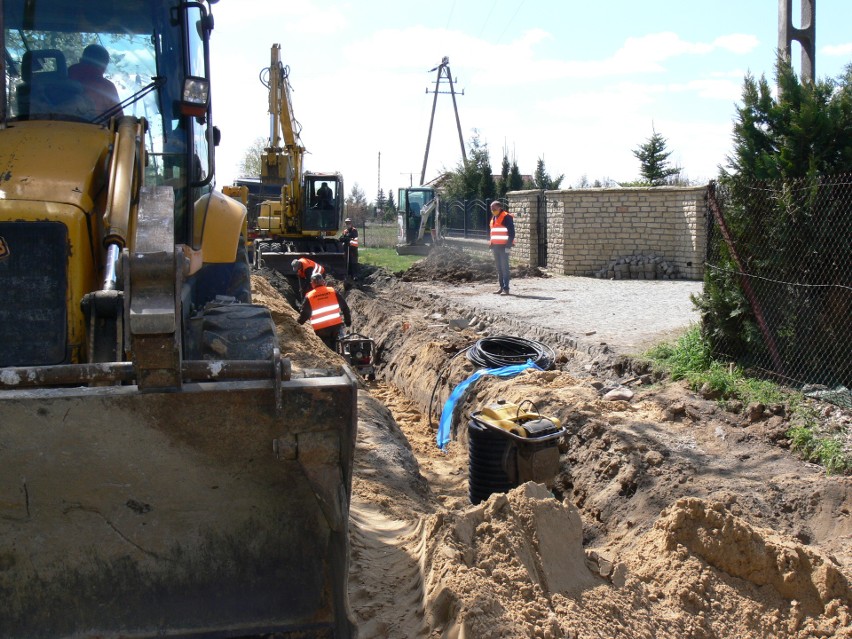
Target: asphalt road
629, 316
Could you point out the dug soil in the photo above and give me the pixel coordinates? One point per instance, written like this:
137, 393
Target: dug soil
672, 514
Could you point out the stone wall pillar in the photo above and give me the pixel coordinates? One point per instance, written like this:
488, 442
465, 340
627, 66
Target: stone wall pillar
524, 207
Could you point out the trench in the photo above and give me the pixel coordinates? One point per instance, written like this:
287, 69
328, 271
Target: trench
623, 466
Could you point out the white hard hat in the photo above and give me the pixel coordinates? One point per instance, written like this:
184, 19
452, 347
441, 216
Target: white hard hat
294, 265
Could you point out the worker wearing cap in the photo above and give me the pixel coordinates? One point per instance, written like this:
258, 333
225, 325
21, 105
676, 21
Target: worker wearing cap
350, 247
326, 310
304, 268
100, 93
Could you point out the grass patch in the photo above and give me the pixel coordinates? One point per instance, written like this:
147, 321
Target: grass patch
690, 359
387, 258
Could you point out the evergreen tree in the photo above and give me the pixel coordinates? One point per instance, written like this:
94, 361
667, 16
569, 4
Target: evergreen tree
503, 182
653, 158
487, 187
516, 182
380, 202
789, 223
472, 178
806, 131
542, 180
390, 204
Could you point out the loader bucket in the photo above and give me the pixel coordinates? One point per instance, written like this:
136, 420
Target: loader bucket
198, 513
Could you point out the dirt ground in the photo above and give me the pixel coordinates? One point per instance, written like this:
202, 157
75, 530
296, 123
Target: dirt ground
671, 516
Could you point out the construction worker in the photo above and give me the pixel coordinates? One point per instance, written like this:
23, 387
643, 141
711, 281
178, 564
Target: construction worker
100, 93
501, 239
349, 238
326, 310
305, 268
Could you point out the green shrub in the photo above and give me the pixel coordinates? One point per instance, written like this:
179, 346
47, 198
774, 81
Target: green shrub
689, 359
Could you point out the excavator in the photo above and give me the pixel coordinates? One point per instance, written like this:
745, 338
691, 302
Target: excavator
307, 218
164, 472
418, 220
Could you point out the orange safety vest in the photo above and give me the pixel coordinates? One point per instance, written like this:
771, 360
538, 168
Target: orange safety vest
325, 309
352, 241
499, 233
305, 264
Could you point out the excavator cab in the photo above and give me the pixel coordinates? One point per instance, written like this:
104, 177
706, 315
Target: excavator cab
417, 221
165, 473
323, 202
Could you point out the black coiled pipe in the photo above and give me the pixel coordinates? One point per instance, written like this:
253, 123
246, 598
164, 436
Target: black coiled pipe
505, 350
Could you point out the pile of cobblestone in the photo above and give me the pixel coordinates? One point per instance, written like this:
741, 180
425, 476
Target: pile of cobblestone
639, 267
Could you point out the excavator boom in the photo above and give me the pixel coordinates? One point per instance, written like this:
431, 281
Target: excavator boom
305, 217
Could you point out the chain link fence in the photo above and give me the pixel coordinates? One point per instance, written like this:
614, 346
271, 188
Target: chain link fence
778, 288
375, 234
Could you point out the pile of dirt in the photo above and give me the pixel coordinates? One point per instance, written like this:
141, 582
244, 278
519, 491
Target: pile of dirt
297, 342
515, 566
448, 264
671, 516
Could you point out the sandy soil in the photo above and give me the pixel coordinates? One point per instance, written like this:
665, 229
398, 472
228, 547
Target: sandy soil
670, 516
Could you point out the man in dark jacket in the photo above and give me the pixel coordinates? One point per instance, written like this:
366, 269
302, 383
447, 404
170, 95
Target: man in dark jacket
350, 247
100, 93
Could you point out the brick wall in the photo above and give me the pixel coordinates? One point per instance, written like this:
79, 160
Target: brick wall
587, 229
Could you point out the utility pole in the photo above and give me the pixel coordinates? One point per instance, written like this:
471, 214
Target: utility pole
443, 70
410, 177
805, 36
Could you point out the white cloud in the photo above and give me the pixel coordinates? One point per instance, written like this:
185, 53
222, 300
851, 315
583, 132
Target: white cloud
711, 89
740, 43
837, 49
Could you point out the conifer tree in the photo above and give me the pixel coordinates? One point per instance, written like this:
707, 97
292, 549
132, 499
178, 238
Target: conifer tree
654, 160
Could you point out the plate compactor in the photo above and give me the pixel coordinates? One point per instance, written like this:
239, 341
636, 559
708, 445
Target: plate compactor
509, 446
359, 351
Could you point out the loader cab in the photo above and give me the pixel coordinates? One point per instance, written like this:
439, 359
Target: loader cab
65, 162
323, 203
413, 203
157, 69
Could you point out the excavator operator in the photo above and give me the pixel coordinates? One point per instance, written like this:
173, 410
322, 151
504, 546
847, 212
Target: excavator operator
324, 308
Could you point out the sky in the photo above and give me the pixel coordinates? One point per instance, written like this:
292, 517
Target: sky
579, 84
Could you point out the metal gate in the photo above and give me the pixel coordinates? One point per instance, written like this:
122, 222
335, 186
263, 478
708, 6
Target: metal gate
541, 228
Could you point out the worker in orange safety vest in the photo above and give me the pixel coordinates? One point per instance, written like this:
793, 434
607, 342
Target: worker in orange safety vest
326, 310
501, 239
305, 268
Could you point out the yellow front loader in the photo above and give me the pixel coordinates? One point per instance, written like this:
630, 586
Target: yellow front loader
163, 473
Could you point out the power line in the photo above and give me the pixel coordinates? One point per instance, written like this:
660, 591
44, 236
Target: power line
508, 24
487, 18
449, 17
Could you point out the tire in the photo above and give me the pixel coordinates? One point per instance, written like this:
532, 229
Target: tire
232, 280
237, 332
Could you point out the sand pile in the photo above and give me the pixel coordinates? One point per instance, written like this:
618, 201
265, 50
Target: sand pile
728, 578
297, 342
514, 566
